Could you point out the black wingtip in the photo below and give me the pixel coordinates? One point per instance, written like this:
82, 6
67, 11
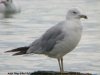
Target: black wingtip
10, 51
20, 51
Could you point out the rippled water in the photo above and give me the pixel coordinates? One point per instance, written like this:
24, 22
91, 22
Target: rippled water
36, 17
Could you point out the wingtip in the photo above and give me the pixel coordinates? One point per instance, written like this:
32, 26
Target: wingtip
7, 51
19, 51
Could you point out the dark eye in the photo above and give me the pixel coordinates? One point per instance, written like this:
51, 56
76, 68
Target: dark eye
74, 12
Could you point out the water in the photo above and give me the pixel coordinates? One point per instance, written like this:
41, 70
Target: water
36, 17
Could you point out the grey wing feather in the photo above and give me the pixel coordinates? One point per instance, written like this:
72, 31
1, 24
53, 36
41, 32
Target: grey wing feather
47, 42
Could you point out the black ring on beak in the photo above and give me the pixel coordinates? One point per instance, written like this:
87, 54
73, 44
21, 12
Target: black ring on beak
83, 16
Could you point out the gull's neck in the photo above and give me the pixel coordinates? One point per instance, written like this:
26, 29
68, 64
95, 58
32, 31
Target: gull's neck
71, 24
73, 21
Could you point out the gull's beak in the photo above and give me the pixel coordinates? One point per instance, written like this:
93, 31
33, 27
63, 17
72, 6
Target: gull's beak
83, 16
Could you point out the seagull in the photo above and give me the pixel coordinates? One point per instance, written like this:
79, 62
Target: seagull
58, 40
9, 7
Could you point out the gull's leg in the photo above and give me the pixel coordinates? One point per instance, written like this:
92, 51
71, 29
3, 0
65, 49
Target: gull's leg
60, 61
62, 67
59, 64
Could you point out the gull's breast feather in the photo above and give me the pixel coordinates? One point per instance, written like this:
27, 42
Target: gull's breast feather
70, 41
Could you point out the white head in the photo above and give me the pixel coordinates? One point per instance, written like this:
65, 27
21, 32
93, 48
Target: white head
75, 14
6, 2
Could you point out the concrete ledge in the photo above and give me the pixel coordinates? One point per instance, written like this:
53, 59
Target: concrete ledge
57, 73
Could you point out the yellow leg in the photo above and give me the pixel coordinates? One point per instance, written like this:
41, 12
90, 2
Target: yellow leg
62, 65
59, 64
60, 61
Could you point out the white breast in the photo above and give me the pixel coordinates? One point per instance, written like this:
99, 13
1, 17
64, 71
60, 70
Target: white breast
70, 41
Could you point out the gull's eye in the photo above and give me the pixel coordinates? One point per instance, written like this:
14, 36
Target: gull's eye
74, 12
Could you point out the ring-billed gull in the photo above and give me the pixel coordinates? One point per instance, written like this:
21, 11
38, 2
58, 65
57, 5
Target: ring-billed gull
9, 7
58, 40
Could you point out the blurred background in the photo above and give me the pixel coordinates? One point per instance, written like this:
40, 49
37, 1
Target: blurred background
35, 18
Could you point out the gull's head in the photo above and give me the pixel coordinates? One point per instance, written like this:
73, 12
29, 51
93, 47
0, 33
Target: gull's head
75, 14
6, 2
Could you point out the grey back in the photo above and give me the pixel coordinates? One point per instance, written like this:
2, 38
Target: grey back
47, 42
